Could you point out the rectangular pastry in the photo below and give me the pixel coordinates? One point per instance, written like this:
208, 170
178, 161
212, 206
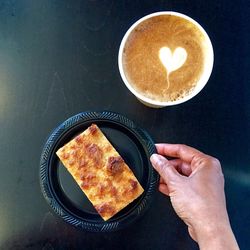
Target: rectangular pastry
100, 172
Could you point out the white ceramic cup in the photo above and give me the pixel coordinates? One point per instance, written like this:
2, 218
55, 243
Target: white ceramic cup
208, 65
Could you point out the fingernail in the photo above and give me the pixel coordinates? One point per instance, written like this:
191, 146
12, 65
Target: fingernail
158, 161
154, 158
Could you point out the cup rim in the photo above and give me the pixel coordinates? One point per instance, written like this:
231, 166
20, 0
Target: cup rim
202, 81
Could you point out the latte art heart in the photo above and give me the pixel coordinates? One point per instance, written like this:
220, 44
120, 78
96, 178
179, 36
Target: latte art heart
172, 61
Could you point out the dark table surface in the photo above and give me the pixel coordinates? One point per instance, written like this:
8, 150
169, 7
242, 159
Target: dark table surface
59, 58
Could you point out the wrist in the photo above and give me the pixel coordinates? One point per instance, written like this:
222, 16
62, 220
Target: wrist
216, 235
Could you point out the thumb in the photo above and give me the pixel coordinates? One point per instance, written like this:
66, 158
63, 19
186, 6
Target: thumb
164, 168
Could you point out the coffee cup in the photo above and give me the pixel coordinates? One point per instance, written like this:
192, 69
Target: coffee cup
165, 58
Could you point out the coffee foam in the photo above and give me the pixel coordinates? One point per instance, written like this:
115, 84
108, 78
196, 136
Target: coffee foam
145, 68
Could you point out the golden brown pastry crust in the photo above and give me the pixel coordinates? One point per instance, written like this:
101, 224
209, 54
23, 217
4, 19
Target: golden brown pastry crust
100, 172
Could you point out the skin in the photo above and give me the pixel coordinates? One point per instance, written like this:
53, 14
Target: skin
195, 184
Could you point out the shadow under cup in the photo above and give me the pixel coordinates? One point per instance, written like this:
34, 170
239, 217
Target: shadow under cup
165, 58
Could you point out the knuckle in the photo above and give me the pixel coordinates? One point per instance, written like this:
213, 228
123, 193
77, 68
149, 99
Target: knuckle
208, 161
199, 159
214, 163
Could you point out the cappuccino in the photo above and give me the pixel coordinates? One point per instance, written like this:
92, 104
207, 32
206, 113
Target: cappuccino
164, 57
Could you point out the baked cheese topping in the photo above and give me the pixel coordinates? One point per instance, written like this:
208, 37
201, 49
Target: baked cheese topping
100, 172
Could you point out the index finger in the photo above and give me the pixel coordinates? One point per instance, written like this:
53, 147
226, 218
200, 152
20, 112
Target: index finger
181, 151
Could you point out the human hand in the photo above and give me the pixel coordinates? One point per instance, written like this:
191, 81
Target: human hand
195, 184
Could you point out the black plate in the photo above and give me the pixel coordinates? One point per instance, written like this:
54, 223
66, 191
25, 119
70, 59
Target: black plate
63, 194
